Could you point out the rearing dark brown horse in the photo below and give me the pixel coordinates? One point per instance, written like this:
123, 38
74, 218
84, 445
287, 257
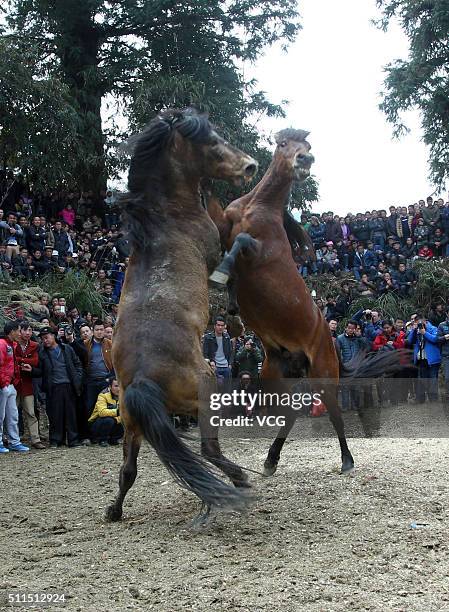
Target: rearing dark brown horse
164, 306
273, 298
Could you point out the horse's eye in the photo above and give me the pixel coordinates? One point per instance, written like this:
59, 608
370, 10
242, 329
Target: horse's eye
283, 144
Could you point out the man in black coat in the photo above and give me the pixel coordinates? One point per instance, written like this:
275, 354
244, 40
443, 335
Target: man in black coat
62, 377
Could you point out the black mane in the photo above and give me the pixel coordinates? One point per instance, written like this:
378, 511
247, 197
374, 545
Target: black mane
142, 214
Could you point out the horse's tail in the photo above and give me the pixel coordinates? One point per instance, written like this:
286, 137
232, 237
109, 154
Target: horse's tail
145, 403
375, 365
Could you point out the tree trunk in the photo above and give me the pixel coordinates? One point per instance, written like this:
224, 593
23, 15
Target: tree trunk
79, 50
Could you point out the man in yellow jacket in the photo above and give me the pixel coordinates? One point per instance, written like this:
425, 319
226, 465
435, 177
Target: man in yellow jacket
105, 423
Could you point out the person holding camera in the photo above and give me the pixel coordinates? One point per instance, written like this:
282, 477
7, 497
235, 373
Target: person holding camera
105, 423
423, 337
248, 359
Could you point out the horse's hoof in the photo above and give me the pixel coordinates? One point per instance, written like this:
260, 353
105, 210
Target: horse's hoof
113, 513
219, 278
347, 468
243, 483
269, 469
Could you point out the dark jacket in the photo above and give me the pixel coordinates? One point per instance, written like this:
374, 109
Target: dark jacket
210, 347
443, 330
377, 228
73, 364
349, 346
35, 238
61, 242
106, 350
333, 231
248, 360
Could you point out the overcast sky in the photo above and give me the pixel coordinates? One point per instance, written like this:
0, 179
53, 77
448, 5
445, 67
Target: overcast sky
332, 77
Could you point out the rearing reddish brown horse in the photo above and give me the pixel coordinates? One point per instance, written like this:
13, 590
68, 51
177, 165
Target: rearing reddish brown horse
273, 298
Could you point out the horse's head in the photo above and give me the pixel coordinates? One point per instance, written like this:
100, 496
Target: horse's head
197, 144
294, 150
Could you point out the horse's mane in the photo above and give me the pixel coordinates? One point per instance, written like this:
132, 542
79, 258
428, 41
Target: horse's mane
143, 214
291, 134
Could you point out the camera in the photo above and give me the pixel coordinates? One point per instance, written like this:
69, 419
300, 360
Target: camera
420, 325
67, 328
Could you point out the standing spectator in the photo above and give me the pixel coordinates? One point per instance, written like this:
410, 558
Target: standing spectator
9, 378
35, 236
75, 320
349, 345
99, 364
5, 265
62, 244
431, 214
217, 347
248, 359
364, 262
27, 353
427, 356
10, 233
438, 243
68, 215
62, 376
443, 341
105, 424
333, 328
437, 314
421, 234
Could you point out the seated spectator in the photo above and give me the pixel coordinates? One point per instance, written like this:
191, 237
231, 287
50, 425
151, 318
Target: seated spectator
421, 234
406, 280
364, 262
387, 284
365, 288
20, 265
104, 422
409, 251
438, 243
425, 253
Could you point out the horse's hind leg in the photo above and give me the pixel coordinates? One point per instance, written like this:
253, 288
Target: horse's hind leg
233, 305
242, 242
128, 472
210, 449
274, 453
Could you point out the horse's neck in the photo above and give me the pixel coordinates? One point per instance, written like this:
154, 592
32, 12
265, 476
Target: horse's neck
274, 189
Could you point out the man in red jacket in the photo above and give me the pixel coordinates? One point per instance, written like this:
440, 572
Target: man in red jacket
9, 376
27, 352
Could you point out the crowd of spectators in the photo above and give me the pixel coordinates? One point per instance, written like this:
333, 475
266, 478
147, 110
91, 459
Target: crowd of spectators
377, 248
66, 371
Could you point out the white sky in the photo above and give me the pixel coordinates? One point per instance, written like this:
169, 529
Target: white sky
332, 77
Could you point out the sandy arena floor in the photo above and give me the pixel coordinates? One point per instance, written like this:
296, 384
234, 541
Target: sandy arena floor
313, 540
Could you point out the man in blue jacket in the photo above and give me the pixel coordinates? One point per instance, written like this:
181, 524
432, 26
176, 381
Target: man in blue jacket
423, 337
365, 262
443, 341
349, 345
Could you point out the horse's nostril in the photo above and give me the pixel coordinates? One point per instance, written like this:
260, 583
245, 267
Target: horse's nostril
251, 169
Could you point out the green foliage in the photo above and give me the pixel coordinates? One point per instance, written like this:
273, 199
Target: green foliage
422, 81
78, 289
38, 123
149, 55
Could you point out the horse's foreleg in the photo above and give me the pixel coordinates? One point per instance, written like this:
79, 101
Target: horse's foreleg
233, 305
128, 473
242, 242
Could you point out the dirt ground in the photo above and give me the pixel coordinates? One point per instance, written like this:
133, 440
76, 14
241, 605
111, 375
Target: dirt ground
313, 540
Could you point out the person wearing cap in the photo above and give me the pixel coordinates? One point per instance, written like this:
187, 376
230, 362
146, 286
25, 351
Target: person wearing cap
62, 375
9, 377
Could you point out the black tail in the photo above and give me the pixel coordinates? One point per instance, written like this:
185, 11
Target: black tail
145, 403
375, 365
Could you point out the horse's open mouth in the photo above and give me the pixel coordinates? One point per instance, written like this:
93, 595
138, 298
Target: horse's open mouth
302, 173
